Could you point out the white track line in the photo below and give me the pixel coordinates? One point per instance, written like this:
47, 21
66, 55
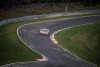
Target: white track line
46, 59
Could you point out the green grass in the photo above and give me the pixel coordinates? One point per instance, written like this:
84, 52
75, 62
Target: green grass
12, 49
83, 41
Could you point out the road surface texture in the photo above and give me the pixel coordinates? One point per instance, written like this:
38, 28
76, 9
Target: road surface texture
57, 57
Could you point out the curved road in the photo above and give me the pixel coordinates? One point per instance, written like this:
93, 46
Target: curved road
57, 57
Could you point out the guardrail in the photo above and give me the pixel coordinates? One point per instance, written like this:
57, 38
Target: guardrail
3, 22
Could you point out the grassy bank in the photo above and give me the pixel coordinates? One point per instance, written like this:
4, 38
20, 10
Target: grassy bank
11, 48
83, 41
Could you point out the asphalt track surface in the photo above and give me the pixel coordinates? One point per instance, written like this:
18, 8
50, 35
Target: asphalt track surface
57, 57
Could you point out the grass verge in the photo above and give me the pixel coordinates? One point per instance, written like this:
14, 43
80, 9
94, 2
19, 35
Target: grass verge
83, 41
12, 49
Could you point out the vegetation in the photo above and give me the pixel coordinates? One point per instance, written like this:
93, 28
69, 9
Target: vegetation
19, 12
82, 7
12, 49
19, 8
15, 3
83, 41
13, 13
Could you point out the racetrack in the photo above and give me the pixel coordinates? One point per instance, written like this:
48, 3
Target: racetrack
57, 57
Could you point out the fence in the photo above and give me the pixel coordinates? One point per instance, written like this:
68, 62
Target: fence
3, 22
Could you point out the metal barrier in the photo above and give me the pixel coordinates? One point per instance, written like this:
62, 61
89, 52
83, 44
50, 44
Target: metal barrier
3, 22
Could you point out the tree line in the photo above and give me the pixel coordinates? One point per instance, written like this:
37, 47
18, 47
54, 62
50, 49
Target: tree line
15, 3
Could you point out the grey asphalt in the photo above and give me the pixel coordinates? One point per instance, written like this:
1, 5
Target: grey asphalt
57, 57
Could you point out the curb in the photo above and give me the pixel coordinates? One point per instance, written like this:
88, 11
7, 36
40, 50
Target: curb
56, 43
44, 58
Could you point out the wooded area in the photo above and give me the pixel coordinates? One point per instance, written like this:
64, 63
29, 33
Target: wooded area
16, 3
